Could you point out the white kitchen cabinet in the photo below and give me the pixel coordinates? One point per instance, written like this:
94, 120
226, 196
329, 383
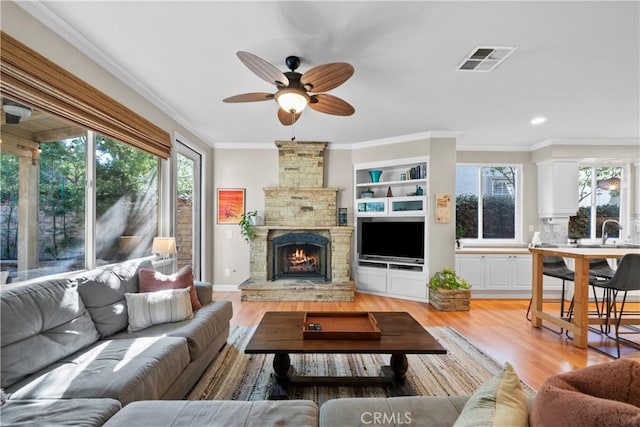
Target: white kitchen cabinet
471, 269
509, 272
557, 188
496, 275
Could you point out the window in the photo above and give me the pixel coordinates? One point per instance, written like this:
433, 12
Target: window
62, 206
126, 201
487, 202
47, 210
598, 201
188, 214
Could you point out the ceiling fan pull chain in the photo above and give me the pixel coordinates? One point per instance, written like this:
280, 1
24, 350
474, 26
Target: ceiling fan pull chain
293, 125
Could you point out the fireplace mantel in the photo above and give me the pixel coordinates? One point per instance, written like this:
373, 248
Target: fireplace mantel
263, 228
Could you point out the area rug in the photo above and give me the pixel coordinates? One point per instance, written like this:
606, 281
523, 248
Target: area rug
238, 376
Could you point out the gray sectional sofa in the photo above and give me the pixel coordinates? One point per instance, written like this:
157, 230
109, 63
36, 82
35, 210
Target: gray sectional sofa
66, 352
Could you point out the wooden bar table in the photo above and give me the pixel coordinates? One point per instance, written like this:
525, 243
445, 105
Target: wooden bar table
580, 319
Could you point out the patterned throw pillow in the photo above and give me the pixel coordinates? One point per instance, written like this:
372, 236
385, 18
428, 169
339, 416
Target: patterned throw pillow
153, 308
151, 281
500, 401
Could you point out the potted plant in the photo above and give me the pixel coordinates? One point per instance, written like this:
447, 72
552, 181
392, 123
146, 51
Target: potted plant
449, 292
247, 221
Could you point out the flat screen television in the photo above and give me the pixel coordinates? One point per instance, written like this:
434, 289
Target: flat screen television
392, 241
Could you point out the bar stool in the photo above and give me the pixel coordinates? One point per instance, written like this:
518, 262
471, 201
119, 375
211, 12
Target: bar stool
554, 266
625, 279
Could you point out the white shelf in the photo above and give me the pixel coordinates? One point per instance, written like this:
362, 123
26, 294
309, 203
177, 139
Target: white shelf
405, 182
390, 277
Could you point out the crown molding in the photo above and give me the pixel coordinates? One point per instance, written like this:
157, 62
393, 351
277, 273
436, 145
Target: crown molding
501, 148
585, 141
404, 138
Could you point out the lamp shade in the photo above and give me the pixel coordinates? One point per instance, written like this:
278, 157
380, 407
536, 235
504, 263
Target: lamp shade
164, 245
292, 100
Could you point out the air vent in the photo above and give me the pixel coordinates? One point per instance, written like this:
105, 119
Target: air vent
485, 59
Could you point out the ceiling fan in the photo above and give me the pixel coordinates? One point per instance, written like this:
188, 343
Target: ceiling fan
295, 91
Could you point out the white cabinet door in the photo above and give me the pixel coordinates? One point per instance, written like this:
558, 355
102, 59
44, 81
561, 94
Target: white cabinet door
371, 279
558, 181
407, 284
471, 269
498, 271
522, 271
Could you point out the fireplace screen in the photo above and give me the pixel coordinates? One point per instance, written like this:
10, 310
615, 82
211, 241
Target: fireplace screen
301, 255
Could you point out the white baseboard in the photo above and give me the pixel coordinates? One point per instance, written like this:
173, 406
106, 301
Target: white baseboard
225, 288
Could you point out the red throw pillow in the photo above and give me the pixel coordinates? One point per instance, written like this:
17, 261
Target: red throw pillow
151, 281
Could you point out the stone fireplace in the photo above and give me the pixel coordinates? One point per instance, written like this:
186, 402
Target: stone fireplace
300, 254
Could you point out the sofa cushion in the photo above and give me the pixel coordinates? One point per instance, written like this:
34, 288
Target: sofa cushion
154, 308
151, 281
200, 331
392, 411
125, 370
58, 412
262, 413
205, 292
40, 324
103, 290
607, 394
500, 401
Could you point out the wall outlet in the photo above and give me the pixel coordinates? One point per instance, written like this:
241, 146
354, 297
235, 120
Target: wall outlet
227, 272
229, 234
531, 229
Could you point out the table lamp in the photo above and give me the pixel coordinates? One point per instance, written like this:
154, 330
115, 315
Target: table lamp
164, 246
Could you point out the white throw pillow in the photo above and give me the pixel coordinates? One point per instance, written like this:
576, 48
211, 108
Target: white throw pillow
153, 308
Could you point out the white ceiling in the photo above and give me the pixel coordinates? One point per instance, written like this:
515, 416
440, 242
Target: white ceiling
576, 63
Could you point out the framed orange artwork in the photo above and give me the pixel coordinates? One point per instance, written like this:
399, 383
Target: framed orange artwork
230, 205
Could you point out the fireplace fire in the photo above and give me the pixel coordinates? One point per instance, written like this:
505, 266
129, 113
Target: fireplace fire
299, 261
300, 255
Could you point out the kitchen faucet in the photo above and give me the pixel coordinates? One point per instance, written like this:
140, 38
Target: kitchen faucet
605, 235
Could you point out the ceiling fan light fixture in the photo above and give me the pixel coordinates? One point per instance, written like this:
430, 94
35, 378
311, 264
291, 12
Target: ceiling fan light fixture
292, 100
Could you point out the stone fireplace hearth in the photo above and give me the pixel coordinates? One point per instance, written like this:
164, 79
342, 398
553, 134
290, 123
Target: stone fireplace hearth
301, 222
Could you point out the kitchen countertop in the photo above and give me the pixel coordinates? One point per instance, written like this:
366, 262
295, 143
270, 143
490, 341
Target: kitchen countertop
517, 250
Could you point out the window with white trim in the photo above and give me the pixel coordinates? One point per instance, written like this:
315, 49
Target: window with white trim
599, 200
488, 202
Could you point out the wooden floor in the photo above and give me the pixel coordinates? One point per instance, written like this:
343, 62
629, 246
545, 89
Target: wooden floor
498, 327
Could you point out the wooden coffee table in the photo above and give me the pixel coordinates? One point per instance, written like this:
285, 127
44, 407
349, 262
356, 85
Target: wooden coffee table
281, 333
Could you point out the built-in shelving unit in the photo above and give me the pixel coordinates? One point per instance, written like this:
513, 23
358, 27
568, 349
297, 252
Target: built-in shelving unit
399, 195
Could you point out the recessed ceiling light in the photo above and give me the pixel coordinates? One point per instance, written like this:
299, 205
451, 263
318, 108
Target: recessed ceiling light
538, 120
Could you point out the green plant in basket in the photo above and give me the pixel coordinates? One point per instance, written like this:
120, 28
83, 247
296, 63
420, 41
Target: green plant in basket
448, 279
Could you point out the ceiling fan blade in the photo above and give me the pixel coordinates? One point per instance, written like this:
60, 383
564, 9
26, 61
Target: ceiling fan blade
328, 76
330, 104
250, 97
287, 118
263, 69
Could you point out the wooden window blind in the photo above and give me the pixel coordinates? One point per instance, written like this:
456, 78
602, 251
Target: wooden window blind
30, 78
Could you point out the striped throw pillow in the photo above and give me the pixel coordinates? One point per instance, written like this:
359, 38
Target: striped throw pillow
153, 308
499, 402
